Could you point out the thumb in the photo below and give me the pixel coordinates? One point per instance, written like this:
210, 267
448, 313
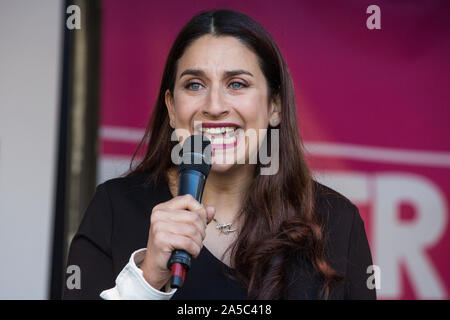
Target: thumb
210, 212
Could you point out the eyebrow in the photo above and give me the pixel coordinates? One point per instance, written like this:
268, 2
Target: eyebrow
201, 73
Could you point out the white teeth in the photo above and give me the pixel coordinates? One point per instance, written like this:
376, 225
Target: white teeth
218, 130
220, 135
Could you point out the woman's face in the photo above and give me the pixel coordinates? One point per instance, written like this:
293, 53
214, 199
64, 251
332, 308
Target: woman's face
221, 92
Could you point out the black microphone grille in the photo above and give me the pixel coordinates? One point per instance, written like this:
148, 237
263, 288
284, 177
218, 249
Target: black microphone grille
196, 154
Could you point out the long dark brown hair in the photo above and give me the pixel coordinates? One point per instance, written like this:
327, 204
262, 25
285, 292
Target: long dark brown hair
280, 217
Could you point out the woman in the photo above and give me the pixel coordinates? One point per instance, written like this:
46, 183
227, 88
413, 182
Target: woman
290, 237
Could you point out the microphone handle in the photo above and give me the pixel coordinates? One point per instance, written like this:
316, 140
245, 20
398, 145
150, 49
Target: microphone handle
190, 182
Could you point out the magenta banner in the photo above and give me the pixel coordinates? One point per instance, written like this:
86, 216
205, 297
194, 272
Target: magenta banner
373, 109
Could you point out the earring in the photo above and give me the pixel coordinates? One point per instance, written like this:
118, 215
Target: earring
172, 123
274, 122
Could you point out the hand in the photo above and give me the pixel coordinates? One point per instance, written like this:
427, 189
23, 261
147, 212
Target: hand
179, 223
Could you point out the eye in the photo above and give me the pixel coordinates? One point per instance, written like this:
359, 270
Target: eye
195, 86
238, 85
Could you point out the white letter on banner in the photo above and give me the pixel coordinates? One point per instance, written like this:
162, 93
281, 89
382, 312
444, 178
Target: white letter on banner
397, 242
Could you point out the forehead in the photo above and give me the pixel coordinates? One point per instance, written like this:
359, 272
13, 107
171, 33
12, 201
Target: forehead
218, 54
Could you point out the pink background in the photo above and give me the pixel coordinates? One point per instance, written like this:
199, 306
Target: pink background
385, 88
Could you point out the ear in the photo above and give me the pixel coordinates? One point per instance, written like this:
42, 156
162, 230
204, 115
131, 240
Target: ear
275, 110
170, 106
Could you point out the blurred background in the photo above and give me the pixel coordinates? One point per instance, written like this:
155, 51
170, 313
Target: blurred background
78, 80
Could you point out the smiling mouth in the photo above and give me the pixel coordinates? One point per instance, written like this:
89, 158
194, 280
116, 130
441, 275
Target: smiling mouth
221, 137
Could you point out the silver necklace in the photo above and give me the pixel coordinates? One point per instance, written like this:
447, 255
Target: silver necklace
224, 228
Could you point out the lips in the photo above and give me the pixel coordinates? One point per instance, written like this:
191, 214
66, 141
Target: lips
222, 135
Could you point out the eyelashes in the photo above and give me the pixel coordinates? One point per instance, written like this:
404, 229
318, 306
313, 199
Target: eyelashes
190, 85
242, 85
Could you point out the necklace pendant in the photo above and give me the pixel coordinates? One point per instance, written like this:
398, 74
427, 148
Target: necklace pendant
228, 231
222, 226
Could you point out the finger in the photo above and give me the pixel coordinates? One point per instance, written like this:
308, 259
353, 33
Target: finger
186, 217
185, 202
210, 212
184, 243
203, 215
185, 229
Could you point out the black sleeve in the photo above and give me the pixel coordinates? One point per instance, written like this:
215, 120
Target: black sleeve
90, 250
359, 259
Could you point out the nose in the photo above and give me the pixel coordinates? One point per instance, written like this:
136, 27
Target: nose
215, 106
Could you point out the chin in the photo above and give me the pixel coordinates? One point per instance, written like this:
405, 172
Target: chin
221, 168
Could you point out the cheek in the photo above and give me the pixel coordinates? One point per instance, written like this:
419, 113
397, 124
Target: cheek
185, 108
254, 112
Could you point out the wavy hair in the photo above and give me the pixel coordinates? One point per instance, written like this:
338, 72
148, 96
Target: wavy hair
280, 219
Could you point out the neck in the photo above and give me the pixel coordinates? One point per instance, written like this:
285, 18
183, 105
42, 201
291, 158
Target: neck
225, 191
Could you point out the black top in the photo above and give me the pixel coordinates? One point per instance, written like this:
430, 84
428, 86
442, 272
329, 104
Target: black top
117, 223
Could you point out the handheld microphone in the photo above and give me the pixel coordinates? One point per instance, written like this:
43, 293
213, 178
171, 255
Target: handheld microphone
193, 171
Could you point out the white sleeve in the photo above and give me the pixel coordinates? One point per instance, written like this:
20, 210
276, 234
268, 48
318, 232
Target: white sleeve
131, 284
